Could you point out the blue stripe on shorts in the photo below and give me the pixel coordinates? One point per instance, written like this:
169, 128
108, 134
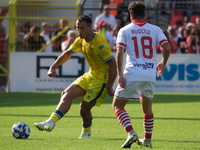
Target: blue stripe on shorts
102, 88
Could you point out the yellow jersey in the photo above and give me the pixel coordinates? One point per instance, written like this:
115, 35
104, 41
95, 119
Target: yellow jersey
96, 52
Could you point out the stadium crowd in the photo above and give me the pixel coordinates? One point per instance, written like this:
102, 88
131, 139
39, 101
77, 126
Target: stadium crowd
183, 35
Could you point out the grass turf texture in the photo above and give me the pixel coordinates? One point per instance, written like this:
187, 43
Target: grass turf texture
176, 125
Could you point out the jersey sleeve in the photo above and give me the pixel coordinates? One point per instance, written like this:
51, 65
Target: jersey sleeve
76, 46
161, 37
120, 42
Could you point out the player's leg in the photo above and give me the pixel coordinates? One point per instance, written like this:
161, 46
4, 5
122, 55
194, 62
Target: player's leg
69, 94
94, 97
86, 114
121, 98
148, 122
72, 92
121, 114
124, 119
146, 105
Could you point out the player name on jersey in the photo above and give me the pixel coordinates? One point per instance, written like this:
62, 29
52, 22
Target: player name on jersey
139, 31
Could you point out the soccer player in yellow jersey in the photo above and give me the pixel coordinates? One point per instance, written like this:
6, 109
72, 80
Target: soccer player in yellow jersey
93, 85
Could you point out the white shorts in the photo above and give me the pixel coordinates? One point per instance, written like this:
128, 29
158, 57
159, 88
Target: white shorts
135, 89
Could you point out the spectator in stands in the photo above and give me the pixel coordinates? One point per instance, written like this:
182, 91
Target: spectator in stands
177, 24
63, 23
115, 31
198, 23
26, 28
173, 33
106, 17
193, 42
21, 44
36, 41
172, 44
71, 36
103, 29
119, 25
189, 26
46, 35
181, 40
54, 29
57, 42
3, 57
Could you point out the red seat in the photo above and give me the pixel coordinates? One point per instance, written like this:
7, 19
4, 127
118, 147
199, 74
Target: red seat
173, 18
193, 19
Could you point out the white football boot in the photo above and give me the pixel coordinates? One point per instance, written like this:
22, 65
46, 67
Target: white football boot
145, 142
132, 137
85, 134
45, 125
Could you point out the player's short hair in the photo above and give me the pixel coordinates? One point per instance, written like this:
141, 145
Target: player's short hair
137, 10
85, 18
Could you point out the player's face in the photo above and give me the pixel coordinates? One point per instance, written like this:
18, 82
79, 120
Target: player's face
83, 29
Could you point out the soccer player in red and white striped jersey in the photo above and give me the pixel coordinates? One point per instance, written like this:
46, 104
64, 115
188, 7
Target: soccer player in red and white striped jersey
136, 81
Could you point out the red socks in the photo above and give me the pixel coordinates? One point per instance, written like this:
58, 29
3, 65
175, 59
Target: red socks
148, 125
124, 119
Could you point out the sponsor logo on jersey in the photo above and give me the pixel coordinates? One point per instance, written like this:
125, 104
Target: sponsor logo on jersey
101, 46
144, 66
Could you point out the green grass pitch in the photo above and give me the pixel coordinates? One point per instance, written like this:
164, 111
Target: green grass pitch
176, 125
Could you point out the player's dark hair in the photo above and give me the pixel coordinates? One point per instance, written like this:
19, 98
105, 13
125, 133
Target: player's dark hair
85, 18
137, 10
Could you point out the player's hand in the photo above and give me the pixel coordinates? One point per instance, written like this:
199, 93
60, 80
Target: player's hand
110, 91
161, 69
52, 73
122, 81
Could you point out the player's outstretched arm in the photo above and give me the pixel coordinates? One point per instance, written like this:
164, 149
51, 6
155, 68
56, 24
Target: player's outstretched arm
59, 61
162, 63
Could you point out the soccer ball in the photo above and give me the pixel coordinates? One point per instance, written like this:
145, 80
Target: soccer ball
21, 130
